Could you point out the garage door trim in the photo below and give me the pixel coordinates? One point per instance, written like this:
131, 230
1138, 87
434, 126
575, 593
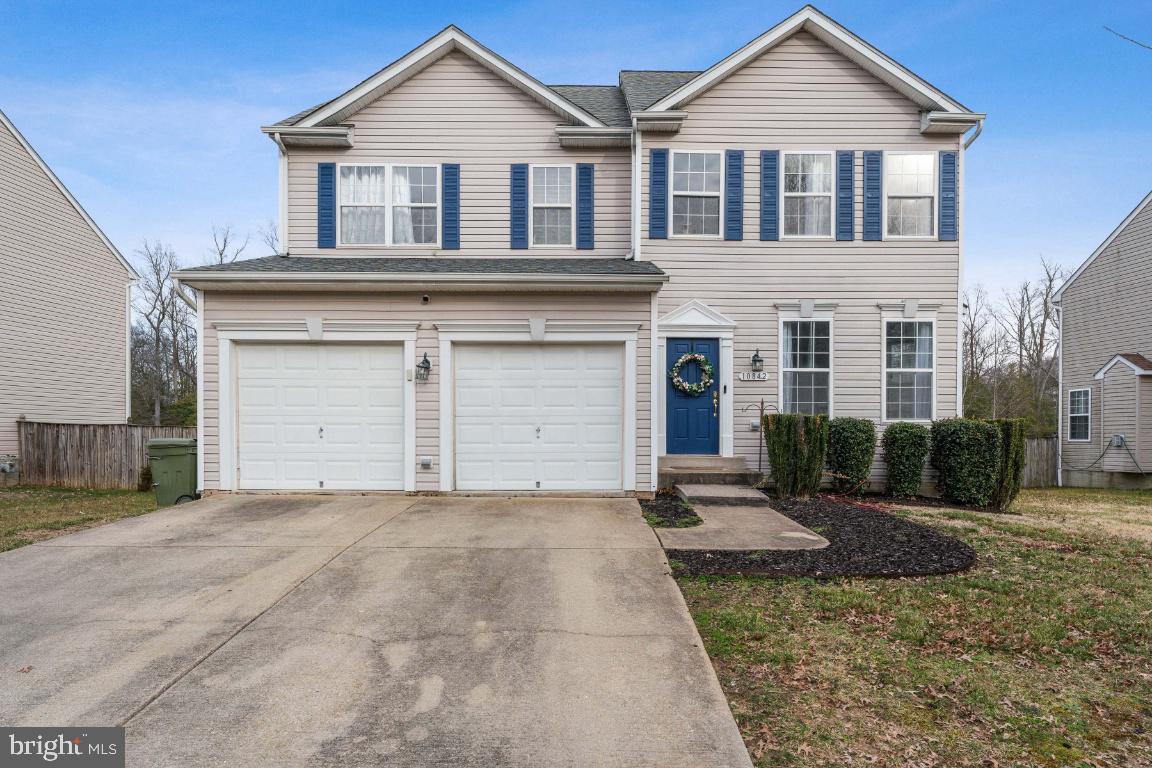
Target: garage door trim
535, 332
311, 330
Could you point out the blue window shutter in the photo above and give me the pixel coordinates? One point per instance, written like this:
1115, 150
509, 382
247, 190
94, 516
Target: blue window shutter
873, 195
519, 212
949, 225
770, 194
845, 195
450, 210
734, 194
585, 206
325, 205
658, 194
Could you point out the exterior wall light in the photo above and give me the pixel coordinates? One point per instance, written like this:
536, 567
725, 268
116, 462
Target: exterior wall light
757, 361
423, 368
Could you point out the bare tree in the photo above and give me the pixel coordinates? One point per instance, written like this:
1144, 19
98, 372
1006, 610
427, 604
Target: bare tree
270, 235
163, 335
226, 245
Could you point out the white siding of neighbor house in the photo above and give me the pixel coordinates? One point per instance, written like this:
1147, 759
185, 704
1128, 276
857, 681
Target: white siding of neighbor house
63, 306
1107, 311
802, 95
623, 307
459, 111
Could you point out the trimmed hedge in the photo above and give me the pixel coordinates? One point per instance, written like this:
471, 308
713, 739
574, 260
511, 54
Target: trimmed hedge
796, 446
1011, 471
966, 455
851, 447
905, 448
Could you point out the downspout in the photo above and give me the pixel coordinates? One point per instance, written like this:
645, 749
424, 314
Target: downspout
637, 149
1059, 312
973, 137
282, 196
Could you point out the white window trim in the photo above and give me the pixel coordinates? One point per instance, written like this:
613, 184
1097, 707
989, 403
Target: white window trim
792, 316
885, 318
672, 194
830, 195
933, 218
389, 205
532, 207
1089, 415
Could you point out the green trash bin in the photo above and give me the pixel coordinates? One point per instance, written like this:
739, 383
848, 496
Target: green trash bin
173, 462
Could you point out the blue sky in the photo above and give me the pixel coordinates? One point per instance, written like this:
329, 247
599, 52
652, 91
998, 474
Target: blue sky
150, 112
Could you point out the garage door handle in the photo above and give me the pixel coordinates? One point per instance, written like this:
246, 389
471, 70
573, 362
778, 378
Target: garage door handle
538, 431
321, 432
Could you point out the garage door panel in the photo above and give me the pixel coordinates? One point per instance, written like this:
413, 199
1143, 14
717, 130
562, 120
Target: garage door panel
534, 416
288, 392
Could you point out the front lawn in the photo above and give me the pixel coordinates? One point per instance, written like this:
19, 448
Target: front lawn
1039, 656
31, 514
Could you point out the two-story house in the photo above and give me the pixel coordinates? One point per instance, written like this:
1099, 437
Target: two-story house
1106, 361
492, 284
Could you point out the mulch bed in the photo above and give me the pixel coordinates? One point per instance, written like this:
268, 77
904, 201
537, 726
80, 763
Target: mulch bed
863, 541
668, 510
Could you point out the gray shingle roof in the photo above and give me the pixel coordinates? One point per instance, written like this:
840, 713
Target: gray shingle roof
604, 102
446, 266
299, 115
644, 87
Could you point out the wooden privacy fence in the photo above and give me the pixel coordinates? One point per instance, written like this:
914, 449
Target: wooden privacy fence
87, 455
1040, 461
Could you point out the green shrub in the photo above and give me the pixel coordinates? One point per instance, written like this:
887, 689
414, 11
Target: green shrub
966, 454
851, 446
796, 447
905, 449
1011, 471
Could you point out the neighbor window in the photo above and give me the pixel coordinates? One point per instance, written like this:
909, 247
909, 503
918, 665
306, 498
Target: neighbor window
389, 205
808, 194
696, 193
908, 369
807, 366
1079, 414
552, 205
910, 186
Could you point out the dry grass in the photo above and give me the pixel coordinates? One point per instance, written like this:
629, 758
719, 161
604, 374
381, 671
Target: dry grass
1040, 656
28, 515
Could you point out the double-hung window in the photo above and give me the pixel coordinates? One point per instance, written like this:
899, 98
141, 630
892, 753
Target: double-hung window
1080, 415
909, 369
910, 184
552, 195
808, 194
696, 193
806, 366
383, 205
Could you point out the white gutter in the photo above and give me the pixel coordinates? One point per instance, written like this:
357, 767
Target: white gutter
282, 196
973, 137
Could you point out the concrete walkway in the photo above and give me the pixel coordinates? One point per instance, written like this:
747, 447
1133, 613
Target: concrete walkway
356, 631
736, 518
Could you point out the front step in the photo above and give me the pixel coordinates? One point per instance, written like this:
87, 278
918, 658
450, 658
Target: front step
723, 495
674, 477
707, 462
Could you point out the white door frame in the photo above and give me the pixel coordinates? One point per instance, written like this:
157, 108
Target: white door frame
697, 320
307, 330
535, 331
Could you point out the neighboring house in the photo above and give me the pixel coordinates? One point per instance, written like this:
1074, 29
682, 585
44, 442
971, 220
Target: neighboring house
1106, 360
552, 251
64, 302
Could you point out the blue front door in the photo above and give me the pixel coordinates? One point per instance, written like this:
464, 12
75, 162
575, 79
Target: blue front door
693, 421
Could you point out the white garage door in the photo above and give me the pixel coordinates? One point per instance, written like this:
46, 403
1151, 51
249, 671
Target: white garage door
321, 416
547, 417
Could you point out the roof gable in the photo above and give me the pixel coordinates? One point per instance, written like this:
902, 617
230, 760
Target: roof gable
837, 37
1104, 245
449, 39
72, 201
1140, 365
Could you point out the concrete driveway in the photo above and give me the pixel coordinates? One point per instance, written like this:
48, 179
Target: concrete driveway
307, 630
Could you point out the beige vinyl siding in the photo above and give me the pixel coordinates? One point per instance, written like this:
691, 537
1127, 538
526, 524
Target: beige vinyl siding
443, 307
802, 95
1119, 405
458, 111
1106, 311
63, 306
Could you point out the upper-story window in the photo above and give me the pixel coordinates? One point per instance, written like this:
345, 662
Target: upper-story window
552, 210
807, 366
696, 193
1080, 415
909, 369
382, 205
910, 184
808, 194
